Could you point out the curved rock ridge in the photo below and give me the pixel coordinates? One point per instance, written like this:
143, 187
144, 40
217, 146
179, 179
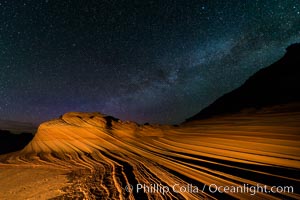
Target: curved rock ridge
100, 156
84, 132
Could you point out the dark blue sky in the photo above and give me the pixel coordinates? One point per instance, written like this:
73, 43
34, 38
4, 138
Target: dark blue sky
146, 61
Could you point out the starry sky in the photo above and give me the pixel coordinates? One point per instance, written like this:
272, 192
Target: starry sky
146, 61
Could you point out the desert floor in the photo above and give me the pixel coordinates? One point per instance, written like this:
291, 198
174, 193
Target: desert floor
77, 158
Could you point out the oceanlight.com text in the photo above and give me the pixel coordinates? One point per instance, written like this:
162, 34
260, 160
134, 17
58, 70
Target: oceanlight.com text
212, 188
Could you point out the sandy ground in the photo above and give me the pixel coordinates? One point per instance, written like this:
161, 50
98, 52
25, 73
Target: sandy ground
21, 183
81, 156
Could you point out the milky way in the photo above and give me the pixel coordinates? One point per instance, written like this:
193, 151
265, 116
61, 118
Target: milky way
148, 61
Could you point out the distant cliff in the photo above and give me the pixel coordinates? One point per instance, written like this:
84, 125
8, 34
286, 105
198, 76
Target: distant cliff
17, 127
10, 142
277, 84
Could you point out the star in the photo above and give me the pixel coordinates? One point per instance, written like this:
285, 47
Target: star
156, 62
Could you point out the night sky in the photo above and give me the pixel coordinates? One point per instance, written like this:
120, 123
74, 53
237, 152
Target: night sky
146, 61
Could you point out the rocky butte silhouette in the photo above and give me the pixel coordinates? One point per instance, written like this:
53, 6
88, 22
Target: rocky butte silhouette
10, 142
17, 127
93, 156
15, 135
273, 85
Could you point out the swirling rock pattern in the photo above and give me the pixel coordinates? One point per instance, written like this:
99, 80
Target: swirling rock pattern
102, 156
